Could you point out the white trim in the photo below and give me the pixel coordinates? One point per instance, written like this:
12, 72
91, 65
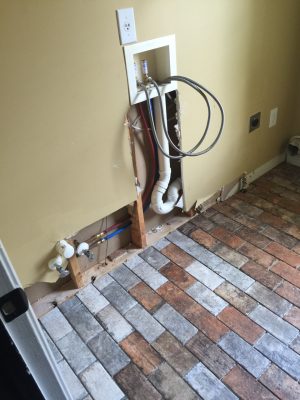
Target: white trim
165, 64
263, 169
251, 177
257, 173
30, 341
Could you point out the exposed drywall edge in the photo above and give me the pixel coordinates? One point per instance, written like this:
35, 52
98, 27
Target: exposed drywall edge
233, 187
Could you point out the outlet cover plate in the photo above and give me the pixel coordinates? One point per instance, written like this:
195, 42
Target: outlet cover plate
126, 24
254, 122
273, 117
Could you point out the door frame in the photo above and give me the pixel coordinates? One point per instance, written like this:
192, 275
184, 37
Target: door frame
28, 337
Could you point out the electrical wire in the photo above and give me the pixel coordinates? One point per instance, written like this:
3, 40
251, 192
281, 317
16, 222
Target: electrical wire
201, 90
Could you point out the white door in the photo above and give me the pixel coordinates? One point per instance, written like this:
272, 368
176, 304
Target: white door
26, 333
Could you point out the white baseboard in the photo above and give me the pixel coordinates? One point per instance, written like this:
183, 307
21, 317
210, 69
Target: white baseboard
256, 173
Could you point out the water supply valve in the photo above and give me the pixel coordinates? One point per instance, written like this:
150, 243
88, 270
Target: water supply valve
84, 249
59, 264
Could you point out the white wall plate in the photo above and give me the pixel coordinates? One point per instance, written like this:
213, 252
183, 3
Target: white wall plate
161, 56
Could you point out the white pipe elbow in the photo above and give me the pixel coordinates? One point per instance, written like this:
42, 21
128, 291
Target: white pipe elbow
157, 203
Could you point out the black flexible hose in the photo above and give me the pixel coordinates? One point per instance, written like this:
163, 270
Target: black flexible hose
200, 89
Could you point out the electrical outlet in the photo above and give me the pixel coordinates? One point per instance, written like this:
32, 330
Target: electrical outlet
126, 24
273, 117
254, 122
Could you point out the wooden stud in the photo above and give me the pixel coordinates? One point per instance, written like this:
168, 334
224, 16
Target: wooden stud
138, 233
75, 271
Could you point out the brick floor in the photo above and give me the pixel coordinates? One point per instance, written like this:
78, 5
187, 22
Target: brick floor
210, 312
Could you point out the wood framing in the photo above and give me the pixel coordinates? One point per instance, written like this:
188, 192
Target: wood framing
138, 233
75, 271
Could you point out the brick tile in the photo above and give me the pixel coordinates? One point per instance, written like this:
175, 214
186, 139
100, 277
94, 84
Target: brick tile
56, 324
209, 212
203, 238
202, 222
254, 237
262, 275
146, 296
257, 255
133, 261
103, 281
269, 299
99, 383
170, 384
72, 382
280, 354
233, 275
236, 297
92, 299
193, 311
135, 385
108, 353
141, 353
75, 352
241, 218
178, 256
245, 386
274, 221
244, 354
183, 242
114, 323
273, 324
174, 353
194, 249
176, 297
295, 345
284, 254
231, 256
211, 355
241, 324
187, 228
144, 323
118, 297
81, 319
152, 277
204, 275
281, 384
57, 354
125, 277
153, 257
293, 230
177, 275
227, 237
161, 244
208, 385
226, 222
244, 207
175, 323
279, 236
287, 272
293, 317
289, 292
296, 248
207, 298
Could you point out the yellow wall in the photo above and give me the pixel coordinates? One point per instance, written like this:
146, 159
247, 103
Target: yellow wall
64, 154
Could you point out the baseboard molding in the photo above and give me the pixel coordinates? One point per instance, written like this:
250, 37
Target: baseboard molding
233, 187
256, 173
